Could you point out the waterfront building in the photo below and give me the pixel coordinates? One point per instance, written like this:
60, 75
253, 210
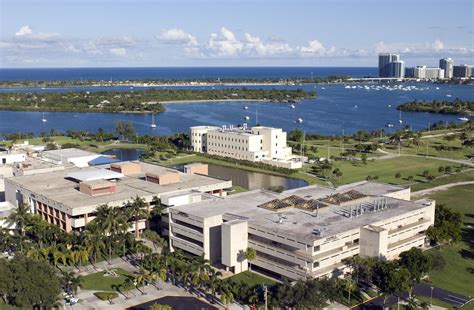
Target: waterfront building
309, 232
462, 71
410, 72
69, 197
257, 144
447, 65
425, 73
396, 69
384, 60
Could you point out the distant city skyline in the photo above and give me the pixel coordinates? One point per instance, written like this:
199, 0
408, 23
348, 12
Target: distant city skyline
126, 33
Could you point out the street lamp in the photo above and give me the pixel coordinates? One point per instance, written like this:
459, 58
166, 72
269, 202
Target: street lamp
265, 292
431, 295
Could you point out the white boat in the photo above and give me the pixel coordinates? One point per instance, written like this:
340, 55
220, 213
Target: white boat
246, 108
292, 106
464, 119
153, 125
246, 118
400, 117
389, 125
323, 88
44, 120
299, 120
389, 105
448, 96
437, 87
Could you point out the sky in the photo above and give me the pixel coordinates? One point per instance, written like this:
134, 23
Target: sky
200, 33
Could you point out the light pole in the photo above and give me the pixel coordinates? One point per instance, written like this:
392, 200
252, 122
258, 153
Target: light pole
265, 292
431, 295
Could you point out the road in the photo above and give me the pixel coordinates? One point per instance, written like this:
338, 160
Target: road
421, 289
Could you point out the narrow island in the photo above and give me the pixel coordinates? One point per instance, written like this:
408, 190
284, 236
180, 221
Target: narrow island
457, 106
150, 82
147, 101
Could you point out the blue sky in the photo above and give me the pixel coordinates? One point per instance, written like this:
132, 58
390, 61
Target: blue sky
87, 33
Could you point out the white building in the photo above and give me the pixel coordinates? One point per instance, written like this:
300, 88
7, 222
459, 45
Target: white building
447, 64
425, 73
265, 144
306, 232
77, 157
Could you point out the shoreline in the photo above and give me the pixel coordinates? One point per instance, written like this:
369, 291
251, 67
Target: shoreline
215, 100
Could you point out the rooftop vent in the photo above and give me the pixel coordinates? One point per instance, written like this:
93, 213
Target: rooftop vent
126, 167
97, 187
344, 198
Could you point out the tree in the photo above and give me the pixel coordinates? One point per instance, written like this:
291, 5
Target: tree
363, 157
125, 130
93, 239
28, 283
143, 277
127, 285
398, 175
390, 278
137, 210
250, 255
337, 173
417, 264
20, 217
71, 281
112, 222
447, 225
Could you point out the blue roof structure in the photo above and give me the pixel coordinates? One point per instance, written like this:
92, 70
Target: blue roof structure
102, 160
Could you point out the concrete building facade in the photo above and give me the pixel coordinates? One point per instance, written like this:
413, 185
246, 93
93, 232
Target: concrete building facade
423, 72
69, 198
306, 232
264, 144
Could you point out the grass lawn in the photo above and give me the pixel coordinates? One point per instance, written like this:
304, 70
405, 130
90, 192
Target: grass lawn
198, 158
463, 176
457, 275
387, 168
251, 278
458, 151
98, 282
237, 189
437, 302
9, 307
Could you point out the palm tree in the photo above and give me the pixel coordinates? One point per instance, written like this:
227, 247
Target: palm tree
93, 240
143, 277
20, 217
127, 285
226, 293
250, 255
137, 210
214, 281
349, 286
72, 282
113, 222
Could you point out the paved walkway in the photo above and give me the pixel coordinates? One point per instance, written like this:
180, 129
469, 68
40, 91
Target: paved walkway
440, 188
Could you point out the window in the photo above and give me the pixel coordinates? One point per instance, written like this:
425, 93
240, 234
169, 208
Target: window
316, 248
315, 264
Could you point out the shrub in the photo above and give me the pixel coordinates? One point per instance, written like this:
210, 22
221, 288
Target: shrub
106, 295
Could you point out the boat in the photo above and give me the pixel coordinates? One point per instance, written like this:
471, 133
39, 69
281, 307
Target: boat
437, 87
448, 96
299, 120
292, 106
464, 119
389, 105
246, 108
153, 125
323, 88
44, 120
246, 118
400, 117
389, 125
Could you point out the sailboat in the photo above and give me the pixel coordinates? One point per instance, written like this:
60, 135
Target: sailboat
153, 125
44, 120
400, 117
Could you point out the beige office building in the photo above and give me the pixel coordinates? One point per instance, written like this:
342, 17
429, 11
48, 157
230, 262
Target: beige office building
263, 144
306, 232
69, 197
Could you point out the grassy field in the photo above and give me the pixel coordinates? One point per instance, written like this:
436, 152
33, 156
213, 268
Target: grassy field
98, 282
457, 276
251, 279
458, 151
387, 168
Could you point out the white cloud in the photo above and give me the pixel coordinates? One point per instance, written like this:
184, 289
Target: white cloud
24, 30
177, 36
254, 44
224, 43
119, 52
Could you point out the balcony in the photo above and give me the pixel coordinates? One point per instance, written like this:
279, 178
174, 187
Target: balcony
186, 246
186, 231
276, 252
409, 226
78, 222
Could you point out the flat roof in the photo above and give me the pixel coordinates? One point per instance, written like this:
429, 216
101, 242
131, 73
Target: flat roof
70, 153
301, 224
94, 174
57, 187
